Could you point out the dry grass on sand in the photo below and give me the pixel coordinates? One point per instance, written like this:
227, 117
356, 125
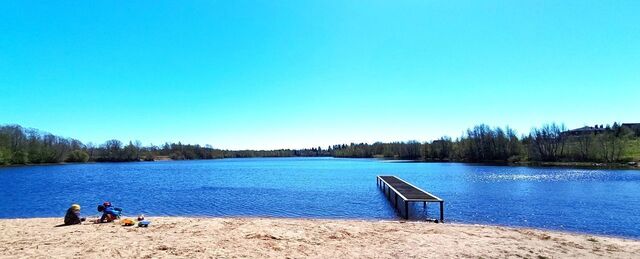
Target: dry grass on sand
297, 238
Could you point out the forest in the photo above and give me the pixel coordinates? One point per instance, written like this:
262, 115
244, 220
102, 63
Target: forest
19, 146
482, 143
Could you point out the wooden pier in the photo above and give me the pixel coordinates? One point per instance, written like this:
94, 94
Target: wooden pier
394, 187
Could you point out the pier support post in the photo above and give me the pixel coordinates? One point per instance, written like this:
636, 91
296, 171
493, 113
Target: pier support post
388, 193
395, 199
406, 210
426, 211
442, 212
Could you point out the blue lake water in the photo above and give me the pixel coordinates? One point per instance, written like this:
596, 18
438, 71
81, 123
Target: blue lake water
582, 200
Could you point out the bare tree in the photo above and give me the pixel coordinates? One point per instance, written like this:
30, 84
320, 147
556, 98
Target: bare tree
91, 148
548, 141
584, 146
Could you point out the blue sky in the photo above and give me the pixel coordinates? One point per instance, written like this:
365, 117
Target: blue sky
293, 74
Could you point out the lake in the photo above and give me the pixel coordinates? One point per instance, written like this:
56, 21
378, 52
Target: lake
581, 200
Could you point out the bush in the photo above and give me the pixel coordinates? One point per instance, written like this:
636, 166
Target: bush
19, 158
78, 156
5, 156
514, 159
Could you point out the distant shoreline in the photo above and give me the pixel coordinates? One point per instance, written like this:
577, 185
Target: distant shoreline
607, 147
587, 165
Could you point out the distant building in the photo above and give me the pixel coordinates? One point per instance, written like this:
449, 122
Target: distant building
586, 130
635, 127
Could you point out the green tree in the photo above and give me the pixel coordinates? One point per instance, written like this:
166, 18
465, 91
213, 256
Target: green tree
78, 156
19, 158
5, 156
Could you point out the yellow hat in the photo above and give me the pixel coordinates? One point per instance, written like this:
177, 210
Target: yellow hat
75, 207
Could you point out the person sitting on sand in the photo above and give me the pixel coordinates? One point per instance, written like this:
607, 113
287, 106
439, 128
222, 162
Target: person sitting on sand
73, 215
109, 213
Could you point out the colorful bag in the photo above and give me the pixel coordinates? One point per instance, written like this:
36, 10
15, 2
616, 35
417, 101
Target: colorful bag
127, 222
144, 223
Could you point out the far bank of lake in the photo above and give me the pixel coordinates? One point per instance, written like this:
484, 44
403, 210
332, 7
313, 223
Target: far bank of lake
565, 164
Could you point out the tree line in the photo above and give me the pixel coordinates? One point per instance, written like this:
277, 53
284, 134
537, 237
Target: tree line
482, 143
19, 145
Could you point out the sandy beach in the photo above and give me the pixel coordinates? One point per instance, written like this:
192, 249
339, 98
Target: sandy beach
297, 238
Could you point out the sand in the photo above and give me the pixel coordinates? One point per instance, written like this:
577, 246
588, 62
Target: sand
175, 237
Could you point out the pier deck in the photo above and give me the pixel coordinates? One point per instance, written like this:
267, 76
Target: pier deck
396, 187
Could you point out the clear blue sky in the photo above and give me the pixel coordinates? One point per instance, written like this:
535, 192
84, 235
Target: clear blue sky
292, 74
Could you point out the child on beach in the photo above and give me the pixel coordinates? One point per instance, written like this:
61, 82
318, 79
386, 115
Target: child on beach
73, 215
109, 213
